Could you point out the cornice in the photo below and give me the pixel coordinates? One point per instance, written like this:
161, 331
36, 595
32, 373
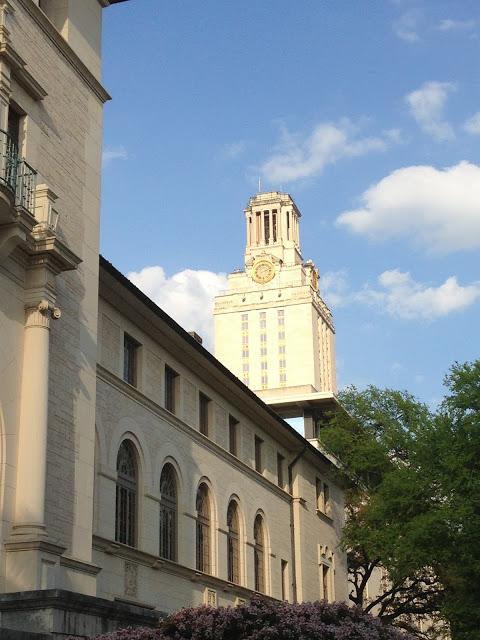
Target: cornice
135, 395
64, 49
20, 72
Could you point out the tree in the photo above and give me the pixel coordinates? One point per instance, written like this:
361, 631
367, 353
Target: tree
413, 501
263, 619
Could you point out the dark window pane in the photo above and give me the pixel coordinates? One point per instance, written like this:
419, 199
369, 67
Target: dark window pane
126, 495
258, 454
168, 513
130, 347
170, 389
203, 413
232, 433
203, 529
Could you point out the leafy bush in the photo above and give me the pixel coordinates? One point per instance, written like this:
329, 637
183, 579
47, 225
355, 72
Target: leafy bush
266, 620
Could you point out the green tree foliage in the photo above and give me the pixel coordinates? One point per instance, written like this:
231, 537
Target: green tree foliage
413, 502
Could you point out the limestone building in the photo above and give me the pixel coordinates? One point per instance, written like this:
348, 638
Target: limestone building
272, 328
137, 473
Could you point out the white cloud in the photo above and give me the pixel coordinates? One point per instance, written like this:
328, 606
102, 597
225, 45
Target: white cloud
456, 25
334, 287
435, 208
427, 107
472, 125
235, 149
109, 155
406, 27
187, 296
299, 157
400, 296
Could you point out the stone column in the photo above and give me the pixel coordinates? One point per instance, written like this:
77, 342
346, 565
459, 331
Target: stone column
32, 439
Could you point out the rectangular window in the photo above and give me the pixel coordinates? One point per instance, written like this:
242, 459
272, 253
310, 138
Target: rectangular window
245, 353
280, 463
282, 364
318, 494
326, 499
283, 378
245, 339
203, 413
170, 389
14, 119
258, 454
264, 380
232, 435
130, 365
263, 351
323, 497
326, 582
245, 367
263, 366
281, 335
284, 568
263, 320
263, 337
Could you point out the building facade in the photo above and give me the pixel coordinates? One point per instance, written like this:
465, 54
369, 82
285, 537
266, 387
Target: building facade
137, 473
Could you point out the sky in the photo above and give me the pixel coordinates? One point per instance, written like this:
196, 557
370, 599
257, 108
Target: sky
366, 111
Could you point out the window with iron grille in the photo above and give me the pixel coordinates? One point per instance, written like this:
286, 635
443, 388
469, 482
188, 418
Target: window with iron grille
126, 495
130, 352
232, 435
203, 413
233, 543
203, 535
259, 554
171, 378
168, 513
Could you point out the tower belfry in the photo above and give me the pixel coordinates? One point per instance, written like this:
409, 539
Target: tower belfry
272, 328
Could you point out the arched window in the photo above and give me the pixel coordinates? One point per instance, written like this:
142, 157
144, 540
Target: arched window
233, 543
168, 513
259, 554
203, 529
126, 502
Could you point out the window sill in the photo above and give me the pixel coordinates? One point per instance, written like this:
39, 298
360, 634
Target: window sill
324, 516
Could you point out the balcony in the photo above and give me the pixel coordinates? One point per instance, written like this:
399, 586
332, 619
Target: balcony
17, 182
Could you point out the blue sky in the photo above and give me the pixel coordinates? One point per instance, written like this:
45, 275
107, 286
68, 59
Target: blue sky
367, 112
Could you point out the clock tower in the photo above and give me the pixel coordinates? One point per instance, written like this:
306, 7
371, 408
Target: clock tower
272, 328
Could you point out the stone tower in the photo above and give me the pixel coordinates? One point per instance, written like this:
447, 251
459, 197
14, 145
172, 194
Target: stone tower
272, 328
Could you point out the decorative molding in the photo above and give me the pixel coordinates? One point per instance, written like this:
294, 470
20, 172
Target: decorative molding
20, 73
65, 50
45, 546
80, 565
155, 562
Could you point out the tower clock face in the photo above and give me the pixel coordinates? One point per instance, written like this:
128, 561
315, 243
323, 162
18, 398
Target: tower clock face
263, 271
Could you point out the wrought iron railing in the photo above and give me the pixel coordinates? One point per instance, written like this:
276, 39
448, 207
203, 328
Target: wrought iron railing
26, 182
16, 174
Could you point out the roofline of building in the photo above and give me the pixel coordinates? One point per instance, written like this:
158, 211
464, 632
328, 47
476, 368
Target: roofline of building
194, 344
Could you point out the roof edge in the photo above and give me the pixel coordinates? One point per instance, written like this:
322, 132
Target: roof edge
148, 302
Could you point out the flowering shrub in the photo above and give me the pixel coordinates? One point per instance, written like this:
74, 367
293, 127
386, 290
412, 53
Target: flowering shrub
265, 620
